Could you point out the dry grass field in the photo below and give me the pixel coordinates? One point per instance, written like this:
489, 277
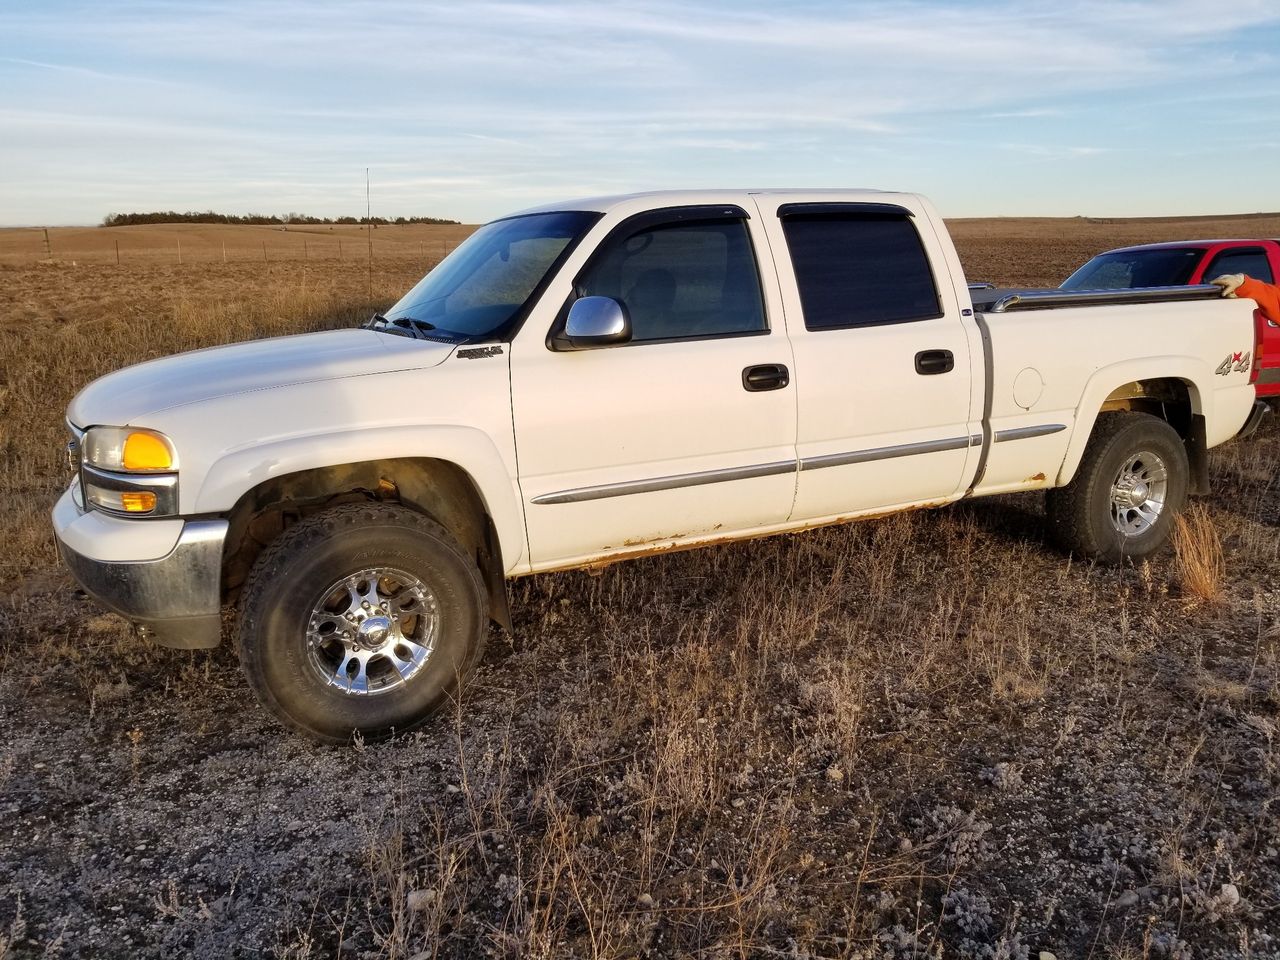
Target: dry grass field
928, 736
191, 243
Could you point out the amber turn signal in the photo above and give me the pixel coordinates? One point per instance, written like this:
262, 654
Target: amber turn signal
145, 451
138, 501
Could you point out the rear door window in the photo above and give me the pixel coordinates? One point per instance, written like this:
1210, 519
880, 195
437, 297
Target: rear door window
1251, 261
857, 269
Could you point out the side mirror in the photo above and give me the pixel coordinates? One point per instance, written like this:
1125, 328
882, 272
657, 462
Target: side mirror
594, 322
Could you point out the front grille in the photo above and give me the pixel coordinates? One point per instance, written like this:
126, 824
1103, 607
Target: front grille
72, 452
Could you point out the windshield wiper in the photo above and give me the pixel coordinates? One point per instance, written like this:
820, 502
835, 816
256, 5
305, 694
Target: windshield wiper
416, 326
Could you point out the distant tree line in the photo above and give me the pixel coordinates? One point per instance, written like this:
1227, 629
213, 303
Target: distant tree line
208, 216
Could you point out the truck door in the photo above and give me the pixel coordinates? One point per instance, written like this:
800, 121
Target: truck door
687, 431
889, 370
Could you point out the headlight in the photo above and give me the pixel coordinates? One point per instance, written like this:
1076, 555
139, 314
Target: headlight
128, 449
129, 471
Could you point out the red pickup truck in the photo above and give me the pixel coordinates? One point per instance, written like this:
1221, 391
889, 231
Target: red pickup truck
1192, 262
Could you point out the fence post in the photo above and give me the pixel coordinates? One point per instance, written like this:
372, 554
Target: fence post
179, 249
117, 253
339, 248
224, 251
264, 251
48, 247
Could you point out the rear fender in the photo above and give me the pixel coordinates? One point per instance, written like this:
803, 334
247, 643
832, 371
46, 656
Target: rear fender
1194, 374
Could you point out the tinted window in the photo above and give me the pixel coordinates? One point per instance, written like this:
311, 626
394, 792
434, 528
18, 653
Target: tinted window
1250, 261
1125, 269
690, 279
481, 287
856, 270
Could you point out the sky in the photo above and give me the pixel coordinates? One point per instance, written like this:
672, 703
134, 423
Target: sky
471, 110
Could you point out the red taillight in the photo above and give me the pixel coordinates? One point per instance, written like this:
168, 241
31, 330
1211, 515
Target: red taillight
1259, 326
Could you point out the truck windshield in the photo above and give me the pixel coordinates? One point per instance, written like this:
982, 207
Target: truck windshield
482, 287
1125, 269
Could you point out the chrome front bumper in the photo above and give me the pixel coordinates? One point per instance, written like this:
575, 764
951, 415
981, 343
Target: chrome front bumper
174, 600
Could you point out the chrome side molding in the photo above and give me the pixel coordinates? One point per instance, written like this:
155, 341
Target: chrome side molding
625, 487
676, 481
886, 453
1024, 433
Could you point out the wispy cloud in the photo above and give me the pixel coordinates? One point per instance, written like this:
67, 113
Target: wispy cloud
1030, 113
491, 98
80, 71
1059, 151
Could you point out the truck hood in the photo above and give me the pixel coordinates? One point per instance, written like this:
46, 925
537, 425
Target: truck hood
129, 395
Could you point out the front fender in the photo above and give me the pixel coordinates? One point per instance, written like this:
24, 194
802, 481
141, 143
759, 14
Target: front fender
468, 448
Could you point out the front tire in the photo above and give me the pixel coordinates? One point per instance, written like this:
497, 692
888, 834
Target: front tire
1131, 483
361, 619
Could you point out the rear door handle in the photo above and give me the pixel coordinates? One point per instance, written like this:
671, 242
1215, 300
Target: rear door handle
765, 376
929, 362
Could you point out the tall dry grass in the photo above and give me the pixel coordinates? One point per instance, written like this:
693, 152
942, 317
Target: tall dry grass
1200, 563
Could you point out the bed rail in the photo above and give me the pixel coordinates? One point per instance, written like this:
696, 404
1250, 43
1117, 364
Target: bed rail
1047, 300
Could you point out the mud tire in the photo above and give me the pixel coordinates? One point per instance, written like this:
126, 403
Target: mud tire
1079, 514
320, 549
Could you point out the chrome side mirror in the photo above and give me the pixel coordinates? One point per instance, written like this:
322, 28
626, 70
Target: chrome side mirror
594, 322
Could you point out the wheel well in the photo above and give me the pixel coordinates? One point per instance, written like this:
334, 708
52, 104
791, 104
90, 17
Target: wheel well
437, 488
1177, 403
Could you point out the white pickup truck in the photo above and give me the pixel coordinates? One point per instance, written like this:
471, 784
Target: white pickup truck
606, 378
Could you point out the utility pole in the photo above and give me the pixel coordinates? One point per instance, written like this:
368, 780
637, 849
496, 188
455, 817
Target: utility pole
368, 218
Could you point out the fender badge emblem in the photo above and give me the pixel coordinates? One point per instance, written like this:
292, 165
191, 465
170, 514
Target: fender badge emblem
474, 353
1237, 362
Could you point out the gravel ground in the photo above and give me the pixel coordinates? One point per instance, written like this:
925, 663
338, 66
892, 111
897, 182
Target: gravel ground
927, 736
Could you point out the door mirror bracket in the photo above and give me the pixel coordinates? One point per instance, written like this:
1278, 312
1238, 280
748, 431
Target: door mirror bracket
593, 322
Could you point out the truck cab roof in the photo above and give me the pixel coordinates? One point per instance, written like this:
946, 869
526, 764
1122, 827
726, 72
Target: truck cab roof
676, 198
1192, 244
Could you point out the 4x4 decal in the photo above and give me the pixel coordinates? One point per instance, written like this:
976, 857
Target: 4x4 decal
1237, 362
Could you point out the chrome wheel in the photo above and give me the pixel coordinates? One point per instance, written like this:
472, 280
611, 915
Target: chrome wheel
372, 631
1138, 494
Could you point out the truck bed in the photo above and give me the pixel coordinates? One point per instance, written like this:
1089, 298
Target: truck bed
1036, 374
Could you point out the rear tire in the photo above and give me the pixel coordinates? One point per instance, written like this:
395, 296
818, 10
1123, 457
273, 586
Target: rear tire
1131, 483
364, 619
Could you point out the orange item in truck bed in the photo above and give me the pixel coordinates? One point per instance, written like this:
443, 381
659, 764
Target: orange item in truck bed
1266, 295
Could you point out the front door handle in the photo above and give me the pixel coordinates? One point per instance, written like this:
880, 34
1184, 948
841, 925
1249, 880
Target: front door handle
929, 362
765, 376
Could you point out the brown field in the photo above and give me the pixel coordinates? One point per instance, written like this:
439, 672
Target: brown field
925, 736
206, 243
